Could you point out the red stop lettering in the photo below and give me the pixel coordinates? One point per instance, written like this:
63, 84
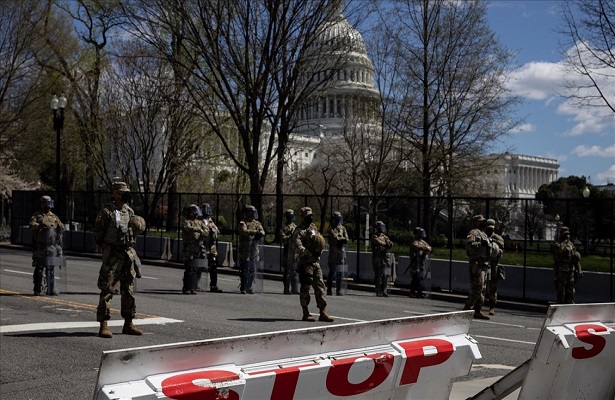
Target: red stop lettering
181, 387
337, 377
417, 359
597, 342
285, 381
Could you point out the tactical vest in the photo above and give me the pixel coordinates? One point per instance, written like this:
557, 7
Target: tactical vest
118, 232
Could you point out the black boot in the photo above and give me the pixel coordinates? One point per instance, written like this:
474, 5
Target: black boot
51, 281
38, 280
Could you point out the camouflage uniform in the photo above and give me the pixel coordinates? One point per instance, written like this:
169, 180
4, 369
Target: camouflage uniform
47, 231
115, 232
381, 258
194, 235
212, 249
477, 248
567, 267
338, 237
419, 250
250, 233
494, 264
309, 244
288, 254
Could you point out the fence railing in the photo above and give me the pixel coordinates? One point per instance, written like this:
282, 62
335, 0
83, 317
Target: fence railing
528, 226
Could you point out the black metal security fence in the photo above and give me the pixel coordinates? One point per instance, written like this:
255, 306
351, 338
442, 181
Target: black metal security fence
529, 226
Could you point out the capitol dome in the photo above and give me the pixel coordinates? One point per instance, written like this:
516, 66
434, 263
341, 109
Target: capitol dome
345, 97
339, 34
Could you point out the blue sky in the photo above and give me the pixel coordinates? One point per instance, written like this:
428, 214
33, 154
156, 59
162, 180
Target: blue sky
582, 140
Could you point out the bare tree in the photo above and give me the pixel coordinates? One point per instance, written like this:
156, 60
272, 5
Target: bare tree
237, 57
449, 96
21, 80
83, 67
156, 134
589, 26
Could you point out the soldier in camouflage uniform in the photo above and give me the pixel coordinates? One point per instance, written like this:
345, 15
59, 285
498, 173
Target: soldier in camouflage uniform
211, 246
419, 250
478, 249
47, 231
382, 259
194, 235
494, 263
115, 232
250, 233
567, 267
309, 244
338, 237
289, 266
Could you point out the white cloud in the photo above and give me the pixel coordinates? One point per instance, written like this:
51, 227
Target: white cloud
594, 151
546, 81
587, 119
536, 80
608, 175
524, 128
559, 157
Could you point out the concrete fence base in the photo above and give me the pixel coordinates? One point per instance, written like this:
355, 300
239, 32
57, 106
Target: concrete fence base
521, 283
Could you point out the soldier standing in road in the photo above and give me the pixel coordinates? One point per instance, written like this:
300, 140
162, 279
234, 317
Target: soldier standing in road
115, 232
419, 250
289, 266
567, 267
309, 244
338, 237
47, 231
478, 249
194, 235
383, 260
211, 246
497, 249
250, 233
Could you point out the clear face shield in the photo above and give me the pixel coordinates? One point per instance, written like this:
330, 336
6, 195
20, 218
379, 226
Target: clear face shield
251, 213
290, 217
381, 227
205, 210
337, 219
192, 212
47, 204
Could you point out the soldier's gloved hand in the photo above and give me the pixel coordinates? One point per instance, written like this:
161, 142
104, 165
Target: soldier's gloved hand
485, 242
258, 235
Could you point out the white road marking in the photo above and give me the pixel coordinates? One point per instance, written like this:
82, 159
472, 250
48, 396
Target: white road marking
485, 322
25, 273
83, 324
504, 340
505, 324
148, 277
349, 319
492, 366
18, 272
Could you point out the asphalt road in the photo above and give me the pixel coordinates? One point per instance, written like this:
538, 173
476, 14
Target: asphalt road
49, 346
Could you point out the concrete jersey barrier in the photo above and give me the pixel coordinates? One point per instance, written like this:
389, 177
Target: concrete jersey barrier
406, 358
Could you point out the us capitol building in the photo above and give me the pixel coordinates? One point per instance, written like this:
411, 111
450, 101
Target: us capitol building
347, 98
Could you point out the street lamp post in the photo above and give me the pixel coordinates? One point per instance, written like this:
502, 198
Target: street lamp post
585, 238
58, 125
